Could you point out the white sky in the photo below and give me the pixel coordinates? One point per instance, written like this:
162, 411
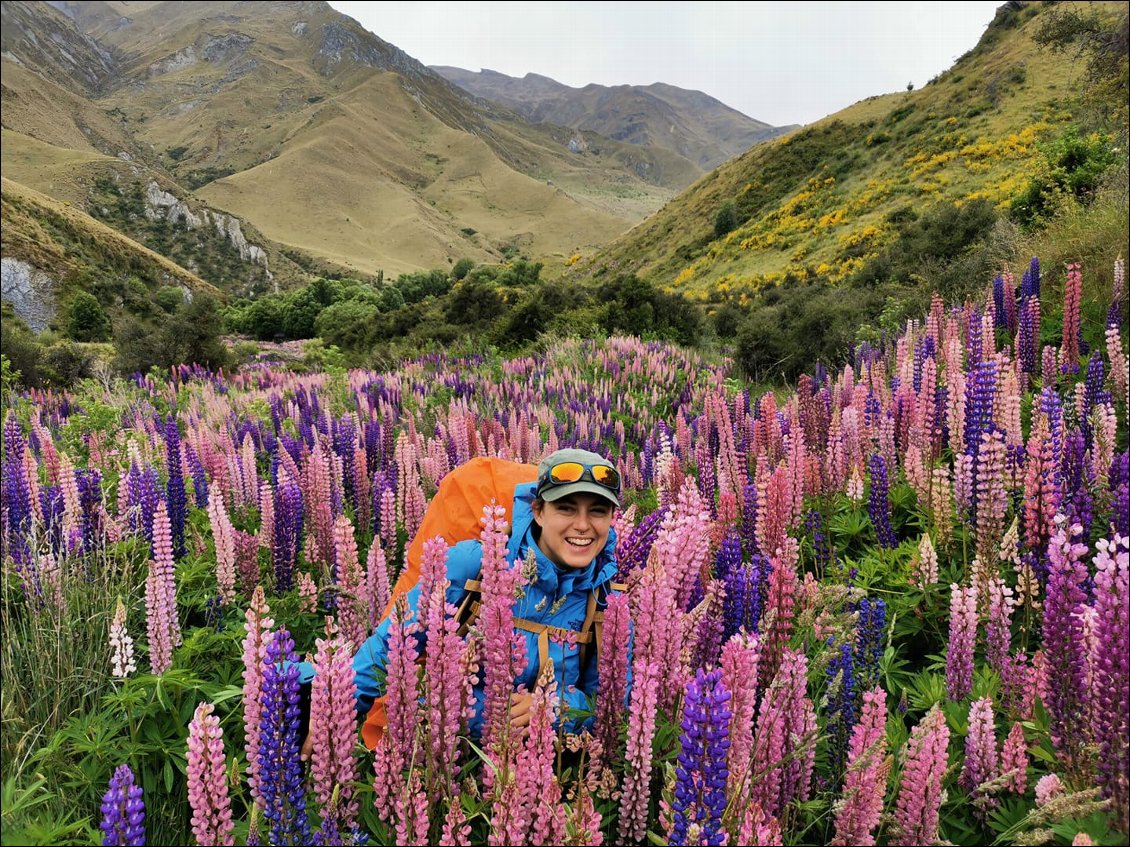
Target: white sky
778, 62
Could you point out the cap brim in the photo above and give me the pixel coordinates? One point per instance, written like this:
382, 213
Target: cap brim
556, 492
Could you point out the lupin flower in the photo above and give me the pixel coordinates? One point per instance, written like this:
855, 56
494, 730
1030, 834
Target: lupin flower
258, 627
1065, 645
700, 787
963, 634
1048, 787
613, 672
177, 499
280, 771
981, 760
1014, 760
160, 597
785, 741
840, 698
1111, 676
121, 645
865, 781
638, 755
207, 783
741, 655
1072, 302
123, 810
499, 582
333, 727
920, 793
878, 506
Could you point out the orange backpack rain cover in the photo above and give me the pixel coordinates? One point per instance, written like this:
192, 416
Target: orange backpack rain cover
454, 513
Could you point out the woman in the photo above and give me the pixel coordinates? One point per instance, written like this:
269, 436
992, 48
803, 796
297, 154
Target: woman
564, 519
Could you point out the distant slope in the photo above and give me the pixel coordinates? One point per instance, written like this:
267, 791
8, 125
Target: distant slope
688, 123
330, 142
822, 203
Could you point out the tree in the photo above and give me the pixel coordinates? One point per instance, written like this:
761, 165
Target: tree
88, 320
726, 220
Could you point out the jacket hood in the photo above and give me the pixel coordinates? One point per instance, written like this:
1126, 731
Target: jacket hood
550, 577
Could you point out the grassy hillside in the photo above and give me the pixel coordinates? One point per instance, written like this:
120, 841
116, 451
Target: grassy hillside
824, 203
60, 238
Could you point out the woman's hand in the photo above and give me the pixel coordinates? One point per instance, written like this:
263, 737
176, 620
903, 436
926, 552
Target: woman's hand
307, 747
520, 712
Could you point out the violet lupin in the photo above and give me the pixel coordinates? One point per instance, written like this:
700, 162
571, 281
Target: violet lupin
177, 499
1065, 645
280, 771
123, 810
878, 506
701, 773
16, 501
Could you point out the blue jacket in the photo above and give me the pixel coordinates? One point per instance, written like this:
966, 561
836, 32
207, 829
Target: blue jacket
557, 597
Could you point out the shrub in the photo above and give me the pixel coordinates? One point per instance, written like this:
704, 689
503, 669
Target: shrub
88, 320
347, 324
462, 268
726, 220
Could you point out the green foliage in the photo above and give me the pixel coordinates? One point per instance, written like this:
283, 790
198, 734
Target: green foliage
1073, 166
462, 268
791, 328
88, 320
473, 302
190, 335
22, 352
636, 307
1104, 40
726, 220
347, 324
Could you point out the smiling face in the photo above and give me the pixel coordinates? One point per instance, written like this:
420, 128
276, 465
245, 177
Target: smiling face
574, 529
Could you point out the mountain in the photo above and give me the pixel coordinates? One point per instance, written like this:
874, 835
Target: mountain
844, 198
688, 123
254, 143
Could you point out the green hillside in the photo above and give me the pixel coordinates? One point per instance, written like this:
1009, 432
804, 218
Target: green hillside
831, 201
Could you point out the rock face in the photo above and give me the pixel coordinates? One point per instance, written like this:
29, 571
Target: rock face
161, 204
29, 290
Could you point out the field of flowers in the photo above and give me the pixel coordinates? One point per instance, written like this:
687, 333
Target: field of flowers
889, 606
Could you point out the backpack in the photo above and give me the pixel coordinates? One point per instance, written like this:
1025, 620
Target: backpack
454, 514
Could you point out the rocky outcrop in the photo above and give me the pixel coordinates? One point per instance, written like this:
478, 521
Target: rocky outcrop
161, 204
30, 290
183, 58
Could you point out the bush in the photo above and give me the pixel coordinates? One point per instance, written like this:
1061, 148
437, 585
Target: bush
23, 351
462, 268
64, 364
88, 320
726, 220
1074, 167
347, 324
190, 335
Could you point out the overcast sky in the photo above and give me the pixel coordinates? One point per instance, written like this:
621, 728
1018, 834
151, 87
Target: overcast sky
778, 62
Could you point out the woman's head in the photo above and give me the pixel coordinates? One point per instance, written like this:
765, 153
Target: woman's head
576, 495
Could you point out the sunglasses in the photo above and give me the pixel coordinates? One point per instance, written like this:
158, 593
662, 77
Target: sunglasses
566, 472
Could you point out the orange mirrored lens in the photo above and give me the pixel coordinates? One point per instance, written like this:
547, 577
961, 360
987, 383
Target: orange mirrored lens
566, 472
606, 476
